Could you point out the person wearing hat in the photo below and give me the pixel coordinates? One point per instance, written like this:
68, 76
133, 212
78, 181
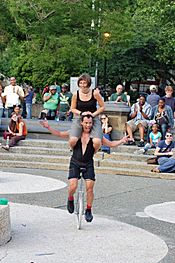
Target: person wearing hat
64, 101
50, 103
164, 153
153, 98
13, 95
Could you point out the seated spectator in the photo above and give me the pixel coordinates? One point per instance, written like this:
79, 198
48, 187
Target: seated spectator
140, 115
64, 102
119, 96
50, 104
164, 153
28, 98
17, 131
153, 98
154, 138
169, 99
163, 116
107, 129
2, 101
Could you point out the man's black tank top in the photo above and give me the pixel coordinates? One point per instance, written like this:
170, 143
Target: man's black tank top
88, 155
90, 105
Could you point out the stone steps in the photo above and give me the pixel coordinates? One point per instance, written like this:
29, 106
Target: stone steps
55, 155
38, 151
99, 170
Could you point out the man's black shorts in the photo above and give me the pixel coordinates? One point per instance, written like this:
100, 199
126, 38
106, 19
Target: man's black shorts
74, 170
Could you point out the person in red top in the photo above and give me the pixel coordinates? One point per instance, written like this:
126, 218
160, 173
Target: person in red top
17, 131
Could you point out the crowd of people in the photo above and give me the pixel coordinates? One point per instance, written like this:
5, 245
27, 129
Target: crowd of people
90, 128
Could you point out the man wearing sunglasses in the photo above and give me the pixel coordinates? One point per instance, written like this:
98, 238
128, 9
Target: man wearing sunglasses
164, 153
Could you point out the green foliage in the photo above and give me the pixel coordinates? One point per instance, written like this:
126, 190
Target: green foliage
46, 41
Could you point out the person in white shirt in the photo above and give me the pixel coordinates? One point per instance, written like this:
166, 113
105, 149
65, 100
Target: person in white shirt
13, 95
2, 101
139, 118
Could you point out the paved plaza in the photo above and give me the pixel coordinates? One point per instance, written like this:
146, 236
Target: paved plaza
134, 220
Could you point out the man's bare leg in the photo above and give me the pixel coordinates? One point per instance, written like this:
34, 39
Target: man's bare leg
129, 131
89, 198
141, 131
73, 183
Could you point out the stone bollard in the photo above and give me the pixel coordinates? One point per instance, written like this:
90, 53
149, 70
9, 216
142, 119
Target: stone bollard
5, 226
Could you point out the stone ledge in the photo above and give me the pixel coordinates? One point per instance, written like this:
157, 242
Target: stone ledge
5, 226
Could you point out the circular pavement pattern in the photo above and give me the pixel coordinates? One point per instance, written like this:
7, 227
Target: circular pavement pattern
45, 235
17, 183
164, 211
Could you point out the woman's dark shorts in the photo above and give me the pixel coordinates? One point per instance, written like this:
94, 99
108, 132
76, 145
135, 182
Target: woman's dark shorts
88, 171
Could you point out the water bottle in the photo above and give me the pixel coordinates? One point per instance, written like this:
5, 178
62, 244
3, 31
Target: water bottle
7, 141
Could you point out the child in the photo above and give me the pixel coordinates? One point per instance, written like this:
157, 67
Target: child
154, 136
84, 102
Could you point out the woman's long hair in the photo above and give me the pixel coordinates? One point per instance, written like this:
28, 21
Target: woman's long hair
13, 125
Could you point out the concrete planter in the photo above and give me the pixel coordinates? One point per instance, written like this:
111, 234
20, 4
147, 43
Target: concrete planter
5, 226
36, 109
118, 115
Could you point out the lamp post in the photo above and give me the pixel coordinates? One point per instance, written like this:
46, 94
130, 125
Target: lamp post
106, 38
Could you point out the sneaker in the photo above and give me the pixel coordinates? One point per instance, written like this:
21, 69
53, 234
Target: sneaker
88, 215
70, 206
132, 143
6, 147
141, 144
155, 170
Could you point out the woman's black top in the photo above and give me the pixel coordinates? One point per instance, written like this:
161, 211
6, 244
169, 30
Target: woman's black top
90, 105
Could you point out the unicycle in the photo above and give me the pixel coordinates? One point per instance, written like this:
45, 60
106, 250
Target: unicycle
80, 200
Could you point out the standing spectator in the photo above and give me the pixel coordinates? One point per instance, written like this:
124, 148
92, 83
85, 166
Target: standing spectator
107, 129
169, 99
2, 101
164, 153
64, 102
17, 129
163, 115
13, 95
118, 96
45, 90
57, 87
140, 115
50, 104
29, 97
153, 98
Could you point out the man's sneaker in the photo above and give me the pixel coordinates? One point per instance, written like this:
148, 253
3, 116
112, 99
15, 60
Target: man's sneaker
70, 206
88, 215
141, 144
6, 147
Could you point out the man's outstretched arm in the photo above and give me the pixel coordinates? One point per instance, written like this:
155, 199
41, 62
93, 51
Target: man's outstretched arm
61, 134
108, 143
